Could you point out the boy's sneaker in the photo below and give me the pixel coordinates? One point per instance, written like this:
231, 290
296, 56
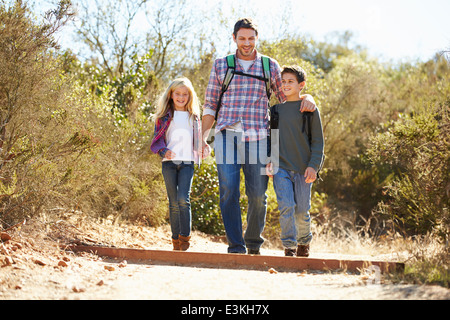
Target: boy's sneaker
303, 251
289, 252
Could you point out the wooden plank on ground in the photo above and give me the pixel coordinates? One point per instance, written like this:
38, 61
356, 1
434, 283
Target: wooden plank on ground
236, 261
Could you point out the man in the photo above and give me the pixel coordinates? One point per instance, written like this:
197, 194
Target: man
241, 136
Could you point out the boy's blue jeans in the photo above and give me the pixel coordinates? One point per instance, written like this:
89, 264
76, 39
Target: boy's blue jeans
178, 178
232, 154
294, 203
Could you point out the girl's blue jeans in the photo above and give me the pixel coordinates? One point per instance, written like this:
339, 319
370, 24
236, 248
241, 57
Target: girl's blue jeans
294, 203
232, 155
178, 178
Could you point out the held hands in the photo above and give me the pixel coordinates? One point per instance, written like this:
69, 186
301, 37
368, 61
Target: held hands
206, 150
269, 169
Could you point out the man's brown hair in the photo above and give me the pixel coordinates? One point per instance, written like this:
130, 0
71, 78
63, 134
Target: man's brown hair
246, 23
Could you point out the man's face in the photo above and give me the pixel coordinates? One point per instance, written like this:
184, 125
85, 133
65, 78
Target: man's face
246, 41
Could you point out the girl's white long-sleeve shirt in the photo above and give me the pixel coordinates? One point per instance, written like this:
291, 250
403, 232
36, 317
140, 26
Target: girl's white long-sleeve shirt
179, 137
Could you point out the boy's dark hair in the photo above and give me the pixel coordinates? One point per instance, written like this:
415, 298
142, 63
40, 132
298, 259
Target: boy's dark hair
299, 73
246, 23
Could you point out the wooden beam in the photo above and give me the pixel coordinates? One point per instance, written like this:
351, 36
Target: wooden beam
236, 261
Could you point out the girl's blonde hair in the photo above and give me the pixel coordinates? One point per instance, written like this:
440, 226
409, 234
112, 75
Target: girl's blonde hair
166, 103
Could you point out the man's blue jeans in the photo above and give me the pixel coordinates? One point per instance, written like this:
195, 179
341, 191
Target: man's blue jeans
294, 203
232, 154
178, 178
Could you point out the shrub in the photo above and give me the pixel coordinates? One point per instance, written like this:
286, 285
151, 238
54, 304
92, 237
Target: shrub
61, 147
417, 149
30, 92
205, 199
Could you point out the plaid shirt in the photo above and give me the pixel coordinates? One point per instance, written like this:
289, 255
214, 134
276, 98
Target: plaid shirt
246, 98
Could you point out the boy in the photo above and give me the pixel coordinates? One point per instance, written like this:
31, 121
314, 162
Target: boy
300, 157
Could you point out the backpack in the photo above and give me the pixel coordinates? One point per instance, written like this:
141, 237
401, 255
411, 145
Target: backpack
231, 71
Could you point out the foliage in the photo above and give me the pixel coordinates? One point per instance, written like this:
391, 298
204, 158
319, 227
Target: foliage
287, 52
205, 199
130, 93
59, 146
417, 148
29, 92
429, 261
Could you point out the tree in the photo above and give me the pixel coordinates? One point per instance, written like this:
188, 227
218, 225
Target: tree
107, 28
25, 61
115, 31
134, 59
27, 98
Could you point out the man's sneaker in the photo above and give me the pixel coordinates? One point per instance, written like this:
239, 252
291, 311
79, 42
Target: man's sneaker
253, 251
289, 252
303, 251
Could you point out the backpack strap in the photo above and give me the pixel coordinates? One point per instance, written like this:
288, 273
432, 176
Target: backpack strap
231, 71
231, 68
274, 117
307, 118
265, 61
267, 76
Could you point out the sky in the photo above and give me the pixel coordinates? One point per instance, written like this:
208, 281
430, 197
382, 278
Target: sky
391, 30
395, 30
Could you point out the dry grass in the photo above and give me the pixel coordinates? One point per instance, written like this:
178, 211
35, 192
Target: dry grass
426, 258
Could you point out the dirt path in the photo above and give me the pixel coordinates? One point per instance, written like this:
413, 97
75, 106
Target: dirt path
155, 282
45, 272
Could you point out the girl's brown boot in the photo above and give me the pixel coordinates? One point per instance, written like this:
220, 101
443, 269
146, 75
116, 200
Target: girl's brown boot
184, 242
176, 244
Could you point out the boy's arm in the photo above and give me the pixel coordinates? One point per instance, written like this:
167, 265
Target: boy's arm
317, 142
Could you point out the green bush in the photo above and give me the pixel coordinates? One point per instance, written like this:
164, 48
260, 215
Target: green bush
205, 199
417, 149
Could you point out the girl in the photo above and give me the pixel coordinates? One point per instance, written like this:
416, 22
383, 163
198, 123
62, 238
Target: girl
177, 140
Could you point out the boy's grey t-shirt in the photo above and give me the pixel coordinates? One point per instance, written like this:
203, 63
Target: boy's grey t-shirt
294, 150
